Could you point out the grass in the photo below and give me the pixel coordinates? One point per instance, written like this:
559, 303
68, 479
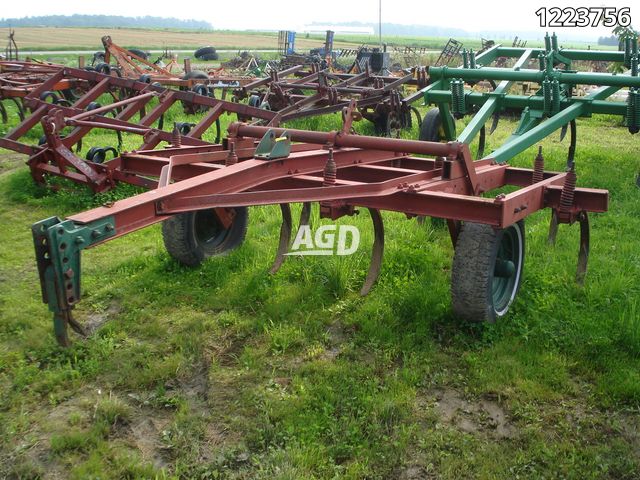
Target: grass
225, 371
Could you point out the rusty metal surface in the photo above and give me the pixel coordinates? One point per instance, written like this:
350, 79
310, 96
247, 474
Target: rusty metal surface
341, 171
129, 99
297, 92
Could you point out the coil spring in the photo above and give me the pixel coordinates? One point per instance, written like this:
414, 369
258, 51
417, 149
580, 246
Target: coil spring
176, 137
631, 109
568, 189
461, 107
546, 94
457, 96
636, 108
538, 167
556, 96
232, 157
330, 171
459, 88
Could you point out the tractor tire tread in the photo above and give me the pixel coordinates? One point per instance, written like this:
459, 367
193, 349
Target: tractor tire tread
182, 245
470, 273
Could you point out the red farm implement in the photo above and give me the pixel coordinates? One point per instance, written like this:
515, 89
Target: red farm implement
379, 98
203, 194
18, 79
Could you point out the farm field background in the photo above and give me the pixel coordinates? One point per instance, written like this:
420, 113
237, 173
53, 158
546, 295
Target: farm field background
226, 371
31, 38
89, 38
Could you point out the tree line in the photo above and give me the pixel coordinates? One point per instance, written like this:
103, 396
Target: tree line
105, 21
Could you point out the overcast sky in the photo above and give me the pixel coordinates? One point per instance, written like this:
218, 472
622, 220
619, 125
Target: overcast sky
478, 15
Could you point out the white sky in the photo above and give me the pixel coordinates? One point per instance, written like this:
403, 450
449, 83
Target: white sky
478, 15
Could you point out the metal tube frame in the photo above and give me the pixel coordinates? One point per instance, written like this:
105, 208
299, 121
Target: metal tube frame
374, 173
538, 120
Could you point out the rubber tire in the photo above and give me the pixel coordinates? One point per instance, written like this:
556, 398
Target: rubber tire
208, 57
103, 68
473, 270
380, 124
139, 53
430, 130
199, 53
254, 101
97, 57
200, 89
393, 123
182, 243
192, 108
195, 75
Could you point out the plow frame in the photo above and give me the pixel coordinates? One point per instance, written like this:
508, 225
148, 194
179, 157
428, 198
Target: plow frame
551, 108
130, 65
85, 114
379, 98
132, 97
341, 171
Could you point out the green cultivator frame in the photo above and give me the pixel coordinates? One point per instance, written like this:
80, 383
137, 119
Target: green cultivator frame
554, 106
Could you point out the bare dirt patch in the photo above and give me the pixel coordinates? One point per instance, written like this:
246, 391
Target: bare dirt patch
475, 417
93, 321
229, 349
145, 433
336, 337
202, 397
414, 473
33, 449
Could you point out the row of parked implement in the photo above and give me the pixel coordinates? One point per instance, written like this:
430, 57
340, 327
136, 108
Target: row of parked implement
202, 189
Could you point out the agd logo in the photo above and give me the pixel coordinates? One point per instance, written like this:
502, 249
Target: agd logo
324, 240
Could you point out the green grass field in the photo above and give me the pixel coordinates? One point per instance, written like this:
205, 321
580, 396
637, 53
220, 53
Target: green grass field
226, 371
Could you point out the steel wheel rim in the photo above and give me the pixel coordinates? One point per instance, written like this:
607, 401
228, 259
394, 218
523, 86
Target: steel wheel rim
208, 229
504, 285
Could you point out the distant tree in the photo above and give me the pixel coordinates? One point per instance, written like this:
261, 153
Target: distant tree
105, 21
612, 40
624, 32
